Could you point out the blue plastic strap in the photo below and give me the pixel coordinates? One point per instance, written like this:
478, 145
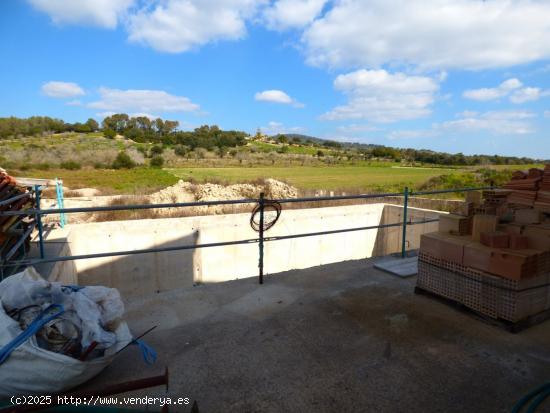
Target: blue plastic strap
148, 353
44, 317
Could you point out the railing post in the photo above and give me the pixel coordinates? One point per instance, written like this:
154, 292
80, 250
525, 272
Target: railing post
405, 206
60, 201
39, 221
261, 243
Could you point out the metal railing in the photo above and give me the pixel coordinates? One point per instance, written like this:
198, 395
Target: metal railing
260, 240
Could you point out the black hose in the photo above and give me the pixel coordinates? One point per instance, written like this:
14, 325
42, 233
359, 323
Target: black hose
269, 221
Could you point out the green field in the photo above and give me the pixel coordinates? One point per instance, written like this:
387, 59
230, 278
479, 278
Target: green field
337, 178
110, 181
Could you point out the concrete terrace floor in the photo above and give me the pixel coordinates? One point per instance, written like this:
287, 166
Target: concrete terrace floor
338, 338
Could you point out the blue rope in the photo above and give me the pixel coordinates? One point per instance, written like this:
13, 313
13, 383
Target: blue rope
147, 352
39, 322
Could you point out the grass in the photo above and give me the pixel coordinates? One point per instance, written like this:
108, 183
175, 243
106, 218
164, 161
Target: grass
110, 181
337, 178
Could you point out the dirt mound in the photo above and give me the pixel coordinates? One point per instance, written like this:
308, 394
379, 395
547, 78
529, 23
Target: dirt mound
188, 192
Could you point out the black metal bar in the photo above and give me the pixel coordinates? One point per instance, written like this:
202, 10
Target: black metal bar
447, 191
15, 198
337, 231
209, 245
261, 241
132, 252
336, 198
228, 202
19, 242
129, 207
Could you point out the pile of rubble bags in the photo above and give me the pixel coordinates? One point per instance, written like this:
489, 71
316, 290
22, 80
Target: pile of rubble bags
14, 197
495, 257
55, 337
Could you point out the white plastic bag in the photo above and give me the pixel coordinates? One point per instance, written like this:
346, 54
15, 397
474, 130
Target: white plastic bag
31, 369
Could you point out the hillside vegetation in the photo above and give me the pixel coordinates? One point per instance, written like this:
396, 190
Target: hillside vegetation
139, 155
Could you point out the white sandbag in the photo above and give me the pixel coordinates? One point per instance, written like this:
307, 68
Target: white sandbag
31, 369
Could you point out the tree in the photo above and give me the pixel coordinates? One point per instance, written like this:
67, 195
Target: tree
320, 153
282, 139
92, 124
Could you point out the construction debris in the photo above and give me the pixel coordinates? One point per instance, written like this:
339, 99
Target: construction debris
54, 337
15, 231
507, 247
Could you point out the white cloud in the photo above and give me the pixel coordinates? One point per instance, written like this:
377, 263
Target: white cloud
104, 13
288, 14
357, 128
142, 101
465, 34
485, 94
57, 89
547, 113
379, 96
276, 128
277, 96
496, 122
175, 26
526, 94
411, 134
511, 87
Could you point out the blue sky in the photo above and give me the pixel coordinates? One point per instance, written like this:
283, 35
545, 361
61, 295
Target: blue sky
450, 75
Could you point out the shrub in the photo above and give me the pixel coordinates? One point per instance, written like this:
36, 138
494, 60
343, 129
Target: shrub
320, 154
156, 150
43, 166
157, 161
123, 161
181, 150
70, 165
109, 133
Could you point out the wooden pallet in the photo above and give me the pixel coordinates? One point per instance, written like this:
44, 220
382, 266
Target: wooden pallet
512, 327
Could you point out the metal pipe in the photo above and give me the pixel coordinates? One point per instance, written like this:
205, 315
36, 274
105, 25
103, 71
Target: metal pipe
447, 191
336, 198
19, 242
214, 244
261, 241
228, 202
130, 207
405, 210
132, 252
13, 199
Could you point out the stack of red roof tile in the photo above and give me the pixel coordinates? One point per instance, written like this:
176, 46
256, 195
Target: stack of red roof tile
545, 184
522, 198
543, 201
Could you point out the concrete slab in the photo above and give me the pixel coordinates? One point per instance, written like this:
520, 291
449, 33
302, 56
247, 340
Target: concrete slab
337, 338
402, 267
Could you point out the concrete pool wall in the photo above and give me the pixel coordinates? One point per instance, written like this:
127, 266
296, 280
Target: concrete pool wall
142, 274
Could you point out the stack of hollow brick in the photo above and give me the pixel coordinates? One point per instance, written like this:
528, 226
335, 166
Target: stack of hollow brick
500, 266
12, 227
